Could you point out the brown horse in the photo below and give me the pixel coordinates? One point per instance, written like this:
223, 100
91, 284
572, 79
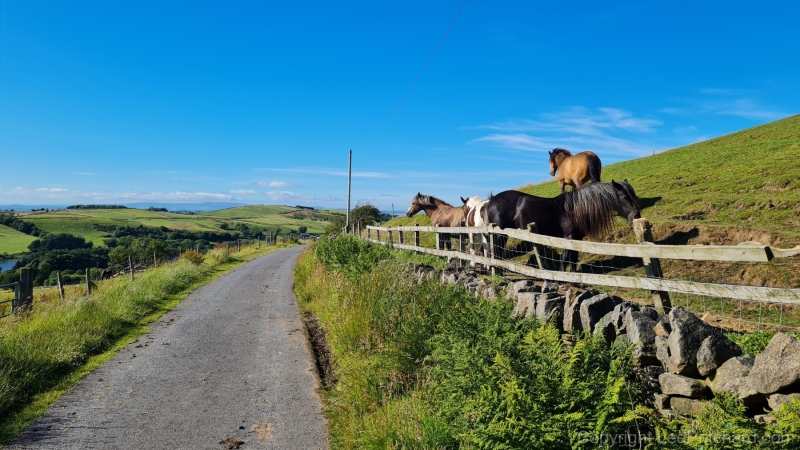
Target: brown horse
440, 212
574, 170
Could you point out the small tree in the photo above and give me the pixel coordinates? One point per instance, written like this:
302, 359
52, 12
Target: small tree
363, 215
335, 225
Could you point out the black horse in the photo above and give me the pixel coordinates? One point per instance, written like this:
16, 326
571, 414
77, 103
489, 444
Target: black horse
588, 211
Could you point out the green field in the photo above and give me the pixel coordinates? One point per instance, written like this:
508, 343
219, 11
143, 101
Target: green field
81, 222
739, 187
12, 241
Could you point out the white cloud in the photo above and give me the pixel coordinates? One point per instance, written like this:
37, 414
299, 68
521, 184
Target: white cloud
274, 184
243, 191
726, 102
328, 171
68, 195
277, 195
607, 130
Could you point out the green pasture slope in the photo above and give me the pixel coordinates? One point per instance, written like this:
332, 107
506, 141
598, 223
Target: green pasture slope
12, 241
80, 222
734, 188
738, 187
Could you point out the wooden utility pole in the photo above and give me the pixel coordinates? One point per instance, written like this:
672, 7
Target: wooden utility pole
130, 265
349, 176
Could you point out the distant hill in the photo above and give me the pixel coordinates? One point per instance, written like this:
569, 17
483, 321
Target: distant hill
84, 222
194, 207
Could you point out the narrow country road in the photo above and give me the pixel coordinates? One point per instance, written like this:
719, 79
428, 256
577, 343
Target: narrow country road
231, 361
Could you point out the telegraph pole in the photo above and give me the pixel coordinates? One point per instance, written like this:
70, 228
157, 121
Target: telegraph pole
349, 177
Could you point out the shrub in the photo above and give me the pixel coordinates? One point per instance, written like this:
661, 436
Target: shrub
219, 255
192, 256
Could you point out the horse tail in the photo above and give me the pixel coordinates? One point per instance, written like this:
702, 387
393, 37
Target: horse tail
594, 169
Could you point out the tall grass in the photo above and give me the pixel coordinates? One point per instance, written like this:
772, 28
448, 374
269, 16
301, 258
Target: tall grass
41, 351
431, 366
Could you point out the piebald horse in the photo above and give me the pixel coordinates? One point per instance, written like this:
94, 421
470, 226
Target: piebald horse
473, 215
574, 170
440, 212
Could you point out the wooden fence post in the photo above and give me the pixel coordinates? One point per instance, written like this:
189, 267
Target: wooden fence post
462, 243
88, 282
491, 248
472, 247
60, 285
416, 236
400, 236
538, 249
130, 266
25, 298
379, 234
652, 266
155, 261
439, 242
238, 247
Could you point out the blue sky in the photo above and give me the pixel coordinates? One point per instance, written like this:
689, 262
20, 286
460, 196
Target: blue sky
259, 102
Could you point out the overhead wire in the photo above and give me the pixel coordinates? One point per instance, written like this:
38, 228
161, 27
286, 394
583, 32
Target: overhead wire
430, 58
419, 75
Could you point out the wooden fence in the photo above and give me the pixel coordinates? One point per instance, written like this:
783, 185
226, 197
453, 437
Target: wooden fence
649, 253
23, 293
23, 290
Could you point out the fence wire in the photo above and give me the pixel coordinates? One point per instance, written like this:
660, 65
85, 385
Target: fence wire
732, 309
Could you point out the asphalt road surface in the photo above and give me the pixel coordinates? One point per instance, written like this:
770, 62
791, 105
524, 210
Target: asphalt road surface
230, 362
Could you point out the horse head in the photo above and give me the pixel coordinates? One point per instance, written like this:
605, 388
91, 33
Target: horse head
418, 203
627, 206
470, 206
556, 156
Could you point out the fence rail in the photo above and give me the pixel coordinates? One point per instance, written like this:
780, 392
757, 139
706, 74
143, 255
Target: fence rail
649, 253
13, 300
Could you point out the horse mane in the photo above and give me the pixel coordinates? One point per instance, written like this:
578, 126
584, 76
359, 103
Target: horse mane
423, 199
473, 201
593, 207
557, 151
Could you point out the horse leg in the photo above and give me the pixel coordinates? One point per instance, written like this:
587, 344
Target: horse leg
569, 258
562, 184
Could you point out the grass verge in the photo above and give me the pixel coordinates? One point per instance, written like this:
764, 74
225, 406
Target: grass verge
44, 354
427, 365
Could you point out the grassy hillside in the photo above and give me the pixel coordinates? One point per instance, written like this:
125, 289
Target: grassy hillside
13, 241
80, 222
738, 187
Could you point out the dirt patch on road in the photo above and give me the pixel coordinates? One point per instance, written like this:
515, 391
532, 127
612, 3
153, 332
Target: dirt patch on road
322, 353
230, 443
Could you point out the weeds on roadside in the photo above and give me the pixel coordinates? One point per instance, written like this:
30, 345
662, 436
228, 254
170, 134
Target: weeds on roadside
432, 366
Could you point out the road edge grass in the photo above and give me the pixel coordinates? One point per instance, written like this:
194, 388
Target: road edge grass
421, 364
20, 418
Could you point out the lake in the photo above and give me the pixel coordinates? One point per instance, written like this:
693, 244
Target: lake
7, 264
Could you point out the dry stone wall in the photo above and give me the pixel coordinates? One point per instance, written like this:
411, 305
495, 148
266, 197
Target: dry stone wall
682, 360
